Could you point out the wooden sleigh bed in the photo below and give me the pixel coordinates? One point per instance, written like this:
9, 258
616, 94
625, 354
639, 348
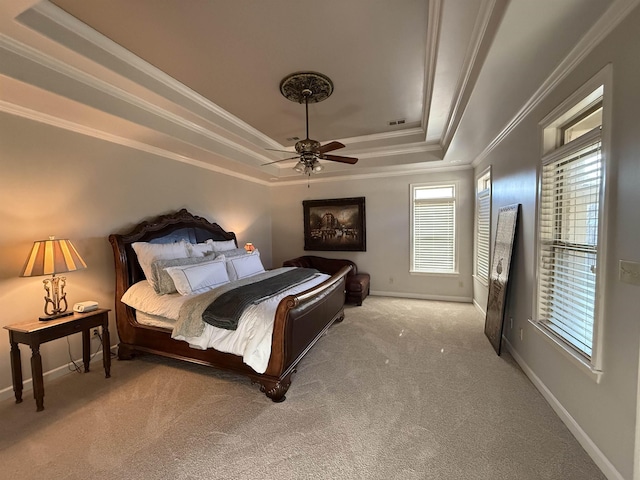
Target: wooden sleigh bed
300, 320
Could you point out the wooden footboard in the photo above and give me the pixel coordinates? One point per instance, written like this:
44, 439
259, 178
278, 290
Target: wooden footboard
299, 322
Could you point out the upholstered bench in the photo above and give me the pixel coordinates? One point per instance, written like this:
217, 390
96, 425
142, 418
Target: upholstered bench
357, 283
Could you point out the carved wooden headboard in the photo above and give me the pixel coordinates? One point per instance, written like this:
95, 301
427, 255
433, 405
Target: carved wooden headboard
163, 229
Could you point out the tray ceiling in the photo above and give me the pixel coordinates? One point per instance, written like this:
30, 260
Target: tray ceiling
199, 81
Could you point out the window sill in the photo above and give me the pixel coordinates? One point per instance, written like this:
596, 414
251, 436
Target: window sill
575, 358
434, 274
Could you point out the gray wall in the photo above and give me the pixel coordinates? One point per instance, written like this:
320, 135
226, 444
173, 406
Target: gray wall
604, 413
55, 182
387, 203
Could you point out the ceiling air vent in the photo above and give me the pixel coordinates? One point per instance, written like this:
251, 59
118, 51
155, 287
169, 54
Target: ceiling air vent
396, 122
293, 139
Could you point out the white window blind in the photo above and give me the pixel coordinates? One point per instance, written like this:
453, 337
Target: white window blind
569, 219
434, 229
483, 227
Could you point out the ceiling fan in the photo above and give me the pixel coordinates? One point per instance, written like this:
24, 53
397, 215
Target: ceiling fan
310, 87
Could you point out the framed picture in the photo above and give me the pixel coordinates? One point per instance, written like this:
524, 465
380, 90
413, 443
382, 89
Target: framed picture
499, 274
337, 224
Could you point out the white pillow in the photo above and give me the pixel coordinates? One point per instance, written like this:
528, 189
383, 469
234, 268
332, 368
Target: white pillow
222, 246
141, 296
190, 279
148, 253
244, 266
200, 249
162, 282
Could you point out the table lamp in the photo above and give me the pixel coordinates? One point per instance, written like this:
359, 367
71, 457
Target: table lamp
51, 257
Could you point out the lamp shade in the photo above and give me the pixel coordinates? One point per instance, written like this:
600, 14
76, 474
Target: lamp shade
49, 257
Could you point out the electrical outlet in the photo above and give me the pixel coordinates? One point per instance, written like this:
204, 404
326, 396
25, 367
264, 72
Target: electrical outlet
95, 332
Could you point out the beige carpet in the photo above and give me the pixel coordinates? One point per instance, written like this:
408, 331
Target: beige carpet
402, 389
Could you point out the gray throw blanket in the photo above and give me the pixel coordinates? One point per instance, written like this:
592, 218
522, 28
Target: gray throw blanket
225, 311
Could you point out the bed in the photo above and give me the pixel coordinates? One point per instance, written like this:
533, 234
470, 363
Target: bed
299, 319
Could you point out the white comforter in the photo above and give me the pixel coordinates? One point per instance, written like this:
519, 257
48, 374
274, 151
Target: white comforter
251, 340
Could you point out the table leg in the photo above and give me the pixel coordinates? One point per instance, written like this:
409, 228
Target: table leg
16, 371
106, 347
36, 374
86, 349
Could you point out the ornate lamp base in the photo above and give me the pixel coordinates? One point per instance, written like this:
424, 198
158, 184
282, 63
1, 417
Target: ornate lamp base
55, 298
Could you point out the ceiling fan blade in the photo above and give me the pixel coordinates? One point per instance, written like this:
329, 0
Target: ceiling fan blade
330, 147
277, 161
338, 158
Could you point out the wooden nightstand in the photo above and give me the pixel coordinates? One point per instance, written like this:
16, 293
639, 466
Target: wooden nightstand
36, 332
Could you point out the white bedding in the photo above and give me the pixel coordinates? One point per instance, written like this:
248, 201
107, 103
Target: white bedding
251, 340
154, 320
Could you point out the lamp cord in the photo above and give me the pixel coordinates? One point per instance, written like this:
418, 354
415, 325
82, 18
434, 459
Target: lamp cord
77, 368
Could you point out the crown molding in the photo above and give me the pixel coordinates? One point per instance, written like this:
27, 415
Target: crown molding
617, 12
69, 32
365, 176
53, 22
382, 136
484, 31
40, 117
433, 35
32, 55
63, 27
409, 148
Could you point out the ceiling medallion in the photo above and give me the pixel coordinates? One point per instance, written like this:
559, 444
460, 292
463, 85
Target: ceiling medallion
313, 87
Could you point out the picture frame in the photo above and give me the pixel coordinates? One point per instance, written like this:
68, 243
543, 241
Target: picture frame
337, 224
499, 273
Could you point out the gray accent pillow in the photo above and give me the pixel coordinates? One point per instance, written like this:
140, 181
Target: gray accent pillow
236, 252
163, 283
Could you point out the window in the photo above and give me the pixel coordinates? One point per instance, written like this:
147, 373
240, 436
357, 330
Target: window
570, 229
483, 227
569, 245
433, 222
583, 124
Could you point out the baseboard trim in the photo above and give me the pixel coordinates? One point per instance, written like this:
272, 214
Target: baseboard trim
480, 309
27, 385
420, 296
590, 447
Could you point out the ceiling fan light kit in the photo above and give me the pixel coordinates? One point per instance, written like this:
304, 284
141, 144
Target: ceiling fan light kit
309, 167
311, 87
